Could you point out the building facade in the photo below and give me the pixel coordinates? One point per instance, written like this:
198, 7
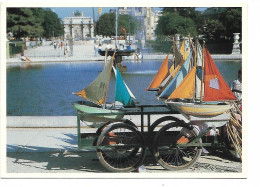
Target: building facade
146, 16
78, 27
152, 18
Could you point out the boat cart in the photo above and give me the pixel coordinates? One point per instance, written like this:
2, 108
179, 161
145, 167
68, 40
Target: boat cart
121, 145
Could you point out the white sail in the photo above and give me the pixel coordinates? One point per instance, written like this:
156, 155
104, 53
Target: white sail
199, 65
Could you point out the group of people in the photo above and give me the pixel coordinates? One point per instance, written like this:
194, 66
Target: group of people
57, 45
60, 45
66, 51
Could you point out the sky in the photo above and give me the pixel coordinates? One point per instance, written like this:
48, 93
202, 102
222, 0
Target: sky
87, 11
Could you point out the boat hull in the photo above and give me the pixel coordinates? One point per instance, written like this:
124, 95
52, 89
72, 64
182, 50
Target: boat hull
200, 110
95, 114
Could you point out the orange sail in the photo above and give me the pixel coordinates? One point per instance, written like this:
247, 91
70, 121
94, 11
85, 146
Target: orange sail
162, 73
216, 89
186, 89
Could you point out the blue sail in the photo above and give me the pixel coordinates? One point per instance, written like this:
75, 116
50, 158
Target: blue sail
122, 94
177, 79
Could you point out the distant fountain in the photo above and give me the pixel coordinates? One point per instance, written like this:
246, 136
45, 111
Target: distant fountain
236, 47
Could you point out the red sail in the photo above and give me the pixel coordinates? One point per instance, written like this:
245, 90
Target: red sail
216, 89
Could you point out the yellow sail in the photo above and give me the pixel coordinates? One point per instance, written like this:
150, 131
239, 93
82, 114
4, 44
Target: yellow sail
186, 89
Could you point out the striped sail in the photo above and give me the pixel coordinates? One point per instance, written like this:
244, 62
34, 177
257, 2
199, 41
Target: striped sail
178, 62
177, 79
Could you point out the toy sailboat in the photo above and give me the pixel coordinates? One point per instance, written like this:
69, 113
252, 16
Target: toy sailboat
195, 90
96, 93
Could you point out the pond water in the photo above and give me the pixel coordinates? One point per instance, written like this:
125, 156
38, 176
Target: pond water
46, 89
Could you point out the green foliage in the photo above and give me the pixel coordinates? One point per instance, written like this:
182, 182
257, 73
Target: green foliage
221, 23
23, 22
52, 24
215, 23
160, 45
232, 21
33, 22
187, 12
171, 23
107, 23
213, 30
129, 23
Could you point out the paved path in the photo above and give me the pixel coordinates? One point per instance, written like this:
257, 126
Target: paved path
84, 53
54, 150
49, 145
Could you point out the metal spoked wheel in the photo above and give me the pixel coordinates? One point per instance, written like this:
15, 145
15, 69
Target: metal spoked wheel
169, 147
121, 148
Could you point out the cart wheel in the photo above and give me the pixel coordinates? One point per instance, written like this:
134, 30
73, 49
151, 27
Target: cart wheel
124, 148
152, 132
102, 128
167, 151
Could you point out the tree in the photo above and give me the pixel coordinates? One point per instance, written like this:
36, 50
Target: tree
23, 22
213, 30
171, 23
232, 21
107, 23
129, 23
52, 24
221, 23
33, 22
187, 12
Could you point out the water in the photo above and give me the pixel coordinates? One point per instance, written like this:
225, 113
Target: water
46, 89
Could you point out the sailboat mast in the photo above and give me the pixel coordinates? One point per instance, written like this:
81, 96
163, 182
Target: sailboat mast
202, 72
173, 54
108, 79
116, 27
195, 64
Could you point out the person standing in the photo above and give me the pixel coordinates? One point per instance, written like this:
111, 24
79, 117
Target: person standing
61, 45
236, 88
66, 50
96, 48
100, 47
55, 45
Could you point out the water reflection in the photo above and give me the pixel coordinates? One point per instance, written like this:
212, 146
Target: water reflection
25, 66
46, 89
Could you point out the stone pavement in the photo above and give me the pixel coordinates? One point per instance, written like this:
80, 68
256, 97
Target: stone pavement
84, 53
54, 150
48, 144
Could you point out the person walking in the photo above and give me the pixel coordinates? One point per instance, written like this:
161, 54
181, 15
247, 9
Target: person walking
61, 45
66, 50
